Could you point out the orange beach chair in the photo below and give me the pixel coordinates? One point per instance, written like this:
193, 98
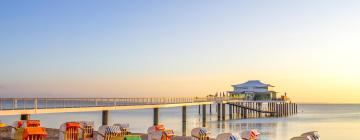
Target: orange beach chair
34, 133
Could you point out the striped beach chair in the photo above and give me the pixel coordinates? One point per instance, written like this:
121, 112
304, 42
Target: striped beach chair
34, 133
200, 133
124, 127
109, 133
70, 131
226, 136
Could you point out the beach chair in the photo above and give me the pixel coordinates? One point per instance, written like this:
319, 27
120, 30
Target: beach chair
167, 134
250, 135
158, 132
34, 133
106, 132
70, 131
19, 126
313, 135
2, 124
200, 133
124, 127
155, 132
225, 136
87, 130
301, 138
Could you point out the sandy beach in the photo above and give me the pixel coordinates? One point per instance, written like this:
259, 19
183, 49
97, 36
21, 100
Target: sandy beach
53, 134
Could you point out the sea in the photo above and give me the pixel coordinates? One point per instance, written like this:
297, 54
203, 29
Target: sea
332, 121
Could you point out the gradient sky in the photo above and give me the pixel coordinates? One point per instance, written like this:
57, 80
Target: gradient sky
142, 48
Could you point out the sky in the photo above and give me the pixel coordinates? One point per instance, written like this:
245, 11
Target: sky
180, 48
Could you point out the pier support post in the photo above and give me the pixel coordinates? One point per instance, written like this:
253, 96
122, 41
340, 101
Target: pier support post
204, 115
218, 107
156, 116
184, 120
223, 111
230, 111
25, 117
105, 117
277, 110
259, 107
199, 109
210, 111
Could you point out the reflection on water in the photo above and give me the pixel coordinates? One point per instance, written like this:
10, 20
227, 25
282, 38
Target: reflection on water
332, 121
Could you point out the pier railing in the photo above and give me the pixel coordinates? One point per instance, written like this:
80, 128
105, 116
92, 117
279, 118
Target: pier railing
49, 103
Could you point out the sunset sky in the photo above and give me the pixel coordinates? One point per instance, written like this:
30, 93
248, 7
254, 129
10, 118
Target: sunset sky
141, 48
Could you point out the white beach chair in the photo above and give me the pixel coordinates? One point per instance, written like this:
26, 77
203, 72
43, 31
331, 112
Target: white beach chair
313, 135
300, 138
250, 135
200, 133
155, 132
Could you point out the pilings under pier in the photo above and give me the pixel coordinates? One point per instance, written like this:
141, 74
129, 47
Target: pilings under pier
105, 117
203, 115
256, 109
156, 116
184, 120
223, 110
218, 111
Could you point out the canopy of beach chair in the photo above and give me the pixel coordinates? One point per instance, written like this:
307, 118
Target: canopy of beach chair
313, 135
225, 136
200, 131
250, 134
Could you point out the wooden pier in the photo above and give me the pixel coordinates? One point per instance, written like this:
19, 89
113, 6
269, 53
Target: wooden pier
237, 108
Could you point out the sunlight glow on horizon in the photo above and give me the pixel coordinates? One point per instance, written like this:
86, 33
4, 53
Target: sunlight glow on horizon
180, 48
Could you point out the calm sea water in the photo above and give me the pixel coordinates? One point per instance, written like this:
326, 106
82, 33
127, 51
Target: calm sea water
333, 122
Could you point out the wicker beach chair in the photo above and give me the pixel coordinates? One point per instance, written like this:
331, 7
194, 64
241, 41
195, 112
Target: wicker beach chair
87, 130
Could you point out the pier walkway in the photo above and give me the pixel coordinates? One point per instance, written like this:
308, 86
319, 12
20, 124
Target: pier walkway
238, 108
17, 106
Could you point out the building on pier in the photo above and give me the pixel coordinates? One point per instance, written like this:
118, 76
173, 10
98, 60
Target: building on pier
253, 90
